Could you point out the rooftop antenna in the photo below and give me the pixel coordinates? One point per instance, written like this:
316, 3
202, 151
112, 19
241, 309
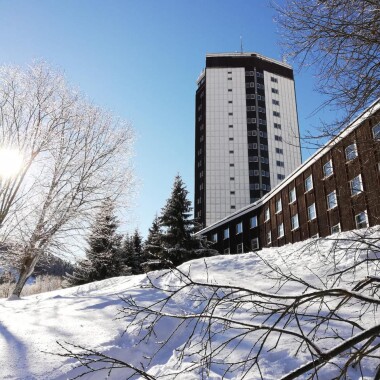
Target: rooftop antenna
241, 44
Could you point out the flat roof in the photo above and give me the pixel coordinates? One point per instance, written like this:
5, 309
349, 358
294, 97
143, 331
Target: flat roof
247, 55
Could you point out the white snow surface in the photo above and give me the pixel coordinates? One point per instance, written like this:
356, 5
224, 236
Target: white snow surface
86, 315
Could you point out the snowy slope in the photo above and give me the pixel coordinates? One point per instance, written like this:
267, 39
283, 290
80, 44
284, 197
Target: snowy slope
85, 315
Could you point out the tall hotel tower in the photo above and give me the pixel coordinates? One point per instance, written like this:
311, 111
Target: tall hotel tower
246, 132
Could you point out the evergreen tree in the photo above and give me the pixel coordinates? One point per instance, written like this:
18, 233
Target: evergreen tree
132, 252
175, 217
153, 246
154, 242
103, 252
178, 243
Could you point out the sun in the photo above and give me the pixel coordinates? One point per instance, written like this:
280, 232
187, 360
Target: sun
11, 162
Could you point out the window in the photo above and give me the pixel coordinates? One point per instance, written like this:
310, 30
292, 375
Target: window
253, 159
251, 108
274, 91
351, 152
294, 221
259, 75
280, 176
328, 169
253, 222
262, 122
266, 214
309, 183
335, 229
263, 134
255, 244
261, 109
269, 237
240, 248
232, 192
279, 151
226, 233
230, 102
277, 125
233, 207
250, 84
229, 78
376, 132
275, 113
277, 138
361, 220
232, 165
232, 178
250, 96
280, 230
251, 120
274, 80
214, 238
278, 205
230, 126
239, 228
252, 133
331, 200
275, 102
226, 251
230, 113
280, 163
252, 146
356, 185
292, 195
230, 90
311, 213
260, 86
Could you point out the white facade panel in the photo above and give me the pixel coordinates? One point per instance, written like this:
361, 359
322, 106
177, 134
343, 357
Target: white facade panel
226, 145
287, 119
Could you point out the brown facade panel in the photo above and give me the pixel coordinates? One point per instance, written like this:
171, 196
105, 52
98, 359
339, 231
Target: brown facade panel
355, 181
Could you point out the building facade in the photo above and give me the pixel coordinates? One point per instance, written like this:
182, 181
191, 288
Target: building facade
246, 132
336, 189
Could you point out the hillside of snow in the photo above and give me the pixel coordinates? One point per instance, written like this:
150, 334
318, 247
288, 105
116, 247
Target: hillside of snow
89, 316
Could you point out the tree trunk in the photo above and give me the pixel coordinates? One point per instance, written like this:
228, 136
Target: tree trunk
26, 270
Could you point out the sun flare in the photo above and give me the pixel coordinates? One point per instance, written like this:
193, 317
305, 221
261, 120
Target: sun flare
11, 162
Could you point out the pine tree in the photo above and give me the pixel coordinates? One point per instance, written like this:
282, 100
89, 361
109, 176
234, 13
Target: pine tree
154, 242
175, 217
153, 247
103, 252
178, 241
132, 252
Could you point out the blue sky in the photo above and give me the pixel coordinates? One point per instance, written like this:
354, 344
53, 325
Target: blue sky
140, 59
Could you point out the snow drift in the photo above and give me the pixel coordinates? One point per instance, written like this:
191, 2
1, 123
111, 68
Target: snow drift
96, 316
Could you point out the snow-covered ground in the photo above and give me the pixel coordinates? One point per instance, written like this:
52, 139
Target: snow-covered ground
85, 315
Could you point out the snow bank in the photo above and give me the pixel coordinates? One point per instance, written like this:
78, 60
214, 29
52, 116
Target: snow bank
85, 315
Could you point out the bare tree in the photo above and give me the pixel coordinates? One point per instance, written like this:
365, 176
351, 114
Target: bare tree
330, 321
341, 40
75, 156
